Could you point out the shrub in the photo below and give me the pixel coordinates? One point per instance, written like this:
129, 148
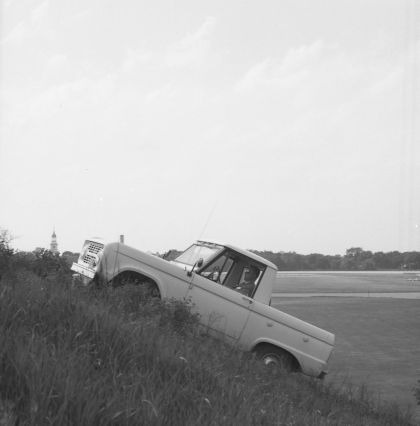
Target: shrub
48, 263
417, 392
6, 252
42, 262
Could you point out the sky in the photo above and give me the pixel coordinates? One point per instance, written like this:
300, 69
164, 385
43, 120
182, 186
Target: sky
275, 125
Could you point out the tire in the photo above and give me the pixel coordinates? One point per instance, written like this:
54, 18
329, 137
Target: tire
148, 288
276, 358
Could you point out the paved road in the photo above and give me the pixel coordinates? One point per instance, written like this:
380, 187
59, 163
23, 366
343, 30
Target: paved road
392, 295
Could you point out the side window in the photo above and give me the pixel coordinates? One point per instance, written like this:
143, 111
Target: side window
246, 278
218, 270
250, 273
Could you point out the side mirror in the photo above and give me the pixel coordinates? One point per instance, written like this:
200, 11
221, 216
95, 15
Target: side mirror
197, 264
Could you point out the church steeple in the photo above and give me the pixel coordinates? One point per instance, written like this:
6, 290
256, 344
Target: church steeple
54, 244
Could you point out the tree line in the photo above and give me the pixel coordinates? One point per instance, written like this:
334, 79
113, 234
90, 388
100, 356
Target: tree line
355, 259
40, 261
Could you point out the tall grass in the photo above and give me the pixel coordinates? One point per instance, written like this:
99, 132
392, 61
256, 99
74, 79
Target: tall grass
86, 356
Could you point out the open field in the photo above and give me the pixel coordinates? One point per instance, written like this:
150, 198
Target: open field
377, 339
326, 282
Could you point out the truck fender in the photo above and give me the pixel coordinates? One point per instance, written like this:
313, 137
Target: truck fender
267, 341
147, 274
299, 356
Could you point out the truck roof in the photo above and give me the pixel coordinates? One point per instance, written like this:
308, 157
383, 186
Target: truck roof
241, 251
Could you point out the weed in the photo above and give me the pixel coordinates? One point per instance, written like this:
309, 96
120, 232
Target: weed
85, 356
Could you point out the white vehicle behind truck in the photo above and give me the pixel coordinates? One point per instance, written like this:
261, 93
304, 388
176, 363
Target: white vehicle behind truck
212, 276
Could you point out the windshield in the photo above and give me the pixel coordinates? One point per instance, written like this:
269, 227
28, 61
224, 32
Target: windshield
195, 252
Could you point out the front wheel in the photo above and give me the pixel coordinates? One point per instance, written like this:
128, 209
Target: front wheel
147, 288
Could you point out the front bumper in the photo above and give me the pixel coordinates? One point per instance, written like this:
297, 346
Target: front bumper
84, 271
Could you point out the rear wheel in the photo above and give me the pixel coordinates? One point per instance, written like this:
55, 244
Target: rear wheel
276, 358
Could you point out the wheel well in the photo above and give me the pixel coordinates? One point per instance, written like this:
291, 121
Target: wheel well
134, 277
264, 346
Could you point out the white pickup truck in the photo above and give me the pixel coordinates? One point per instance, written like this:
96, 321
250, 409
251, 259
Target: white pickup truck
228, 287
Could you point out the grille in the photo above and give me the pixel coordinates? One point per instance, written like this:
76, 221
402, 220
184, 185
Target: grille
95, 247
87, 258
90, 254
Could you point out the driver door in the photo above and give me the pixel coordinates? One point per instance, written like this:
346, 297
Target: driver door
223, 311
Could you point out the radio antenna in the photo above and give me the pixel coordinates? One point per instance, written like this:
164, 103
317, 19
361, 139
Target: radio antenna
208, 220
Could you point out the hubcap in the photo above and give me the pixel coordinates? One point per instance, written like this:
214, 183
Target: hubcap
271, 360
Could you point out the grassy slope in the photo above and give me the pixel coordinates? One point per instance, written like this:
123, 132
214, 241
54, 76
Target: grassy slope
73, 356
